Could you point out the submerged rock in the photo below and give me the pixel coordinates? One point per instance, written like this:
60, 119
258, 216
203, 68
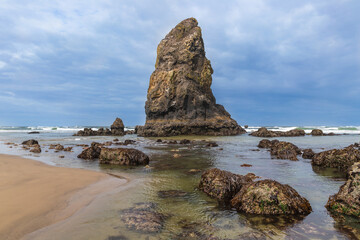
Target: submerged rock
337, 158
268, 197
180, 100
317, 132
172, 194
285, 150
117, 128
347, 200
68, 149
144, 218
308, 153
264, 132
222, 185
123, 156
91, 152
30, 142
59, 147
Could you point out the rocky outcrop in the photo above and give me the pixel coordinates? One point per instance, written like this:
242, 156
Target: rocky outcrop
266, 143
123, 156
222, 185
36, 148
284, 150
268, 197
317, 132
91, 152
30, 142
308, 153
264, 132
347, 200
337, 158
117, 128
180, 100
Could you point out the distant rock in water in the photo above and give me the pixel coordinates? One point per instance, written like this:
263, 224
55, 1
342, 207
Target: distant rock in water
180, 100
117, 129
264, 132
317, 132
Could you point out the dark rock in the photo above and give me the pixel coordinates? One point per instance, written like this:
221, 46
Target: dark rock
347, 200
245, 165
123, 156
128, 141
91, 152
159, 140
30, 142
308, 153
268, 197
90, 132
68, 149
337, 158
117, 128
34, 132
143, 218
284, 150
129, 132
116, 140
36, 149
108, 143
185, 141
265, 143
246, 126
172, 194
264, 132
317, 132
59, 147
222, 185
62, 156
172, 142
180, 100
212, 144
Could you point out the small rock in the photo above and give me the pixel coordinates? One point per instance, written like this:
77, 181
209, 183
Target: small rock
68, 149
34, 132
285, 150
185, 141
116, 140
59, 147
317, 132
308, 153
61, 156
36, 149
246, 165
212, 144
159, 140
30, 142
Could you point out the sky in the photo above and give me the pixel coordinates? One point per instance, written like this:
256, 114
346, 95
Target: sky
276, 62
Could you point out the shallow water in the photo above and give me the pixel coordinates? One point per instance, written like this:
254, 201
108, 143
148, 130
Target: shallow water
195, 212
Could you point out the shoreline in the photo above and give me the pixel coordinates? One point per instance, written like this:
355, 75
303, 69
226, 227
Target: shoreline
34, 195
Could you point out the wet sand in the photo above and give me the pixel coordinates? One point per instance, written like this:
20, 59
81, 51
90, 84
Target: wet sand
34, 195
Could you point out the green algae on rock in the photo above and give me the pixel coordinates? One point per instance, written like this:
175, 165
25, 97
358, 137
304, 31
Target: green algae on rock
269, 197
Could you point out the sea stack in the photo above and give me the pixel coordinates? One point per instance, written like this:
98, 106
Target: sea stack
179, 99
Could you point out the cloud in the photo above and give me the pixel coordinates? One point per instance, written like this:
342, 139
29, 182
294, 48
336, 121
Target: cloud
92, 59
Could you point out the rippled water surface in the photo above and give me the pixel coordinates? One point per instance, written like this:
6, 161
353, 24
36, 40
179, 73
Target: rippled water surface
195, 215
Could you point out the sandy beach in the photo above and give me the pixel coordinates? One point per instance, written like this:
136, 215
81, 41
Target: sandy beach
34, 195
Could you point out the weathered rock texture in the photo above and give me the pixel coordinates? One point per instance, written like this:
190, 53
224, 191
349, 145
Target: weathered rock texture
222, 185
180, 100
280, 149
117, 128
347, 200
91, 152
30, 142
308, 153
317, 132
123, 156
268, 197
264, 132
337, 158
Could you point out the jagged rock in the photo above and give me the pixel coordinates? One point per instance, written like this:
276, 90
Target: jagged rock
117, 128
123, 156
36, 149
337, 158
268, 197
90, 132
308, 153
284, 150
264, 132
91, 152
265, 143
30, 142
222, 185
347, 200
180, 100
317, 132
59, 147
68, 149
144, 218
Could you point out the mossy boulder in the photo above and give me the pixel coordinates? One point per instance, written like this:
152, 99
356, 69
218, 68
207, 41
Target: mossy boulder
123, 156
269, 197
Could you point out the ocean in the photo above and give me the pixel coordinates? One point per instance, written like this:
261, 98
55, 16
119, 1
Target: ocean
195, 212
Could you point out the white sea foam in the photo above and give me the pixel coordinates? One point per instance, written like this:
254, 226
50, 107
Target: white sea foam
308, 129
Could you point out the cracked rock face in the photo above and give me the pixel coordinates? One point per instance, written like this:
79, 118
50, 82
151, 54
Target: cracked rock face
180, 100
